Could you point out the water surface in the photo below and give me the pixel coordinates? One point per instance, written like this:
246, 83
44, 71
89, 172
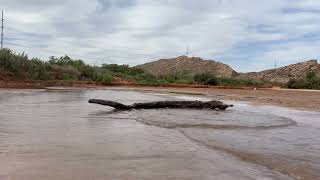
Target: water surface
56, 134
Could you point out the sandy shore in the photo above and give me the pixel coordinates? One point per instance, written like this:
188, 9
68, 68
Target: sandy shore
297, 99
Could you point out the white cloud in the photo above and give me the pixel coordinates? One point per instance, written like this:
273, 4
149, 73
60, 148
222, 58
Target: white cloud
246, 34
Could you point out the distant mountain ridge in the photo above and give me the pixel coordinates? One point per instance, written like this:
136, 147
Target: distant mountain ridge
193, 65
196, 65
285, 73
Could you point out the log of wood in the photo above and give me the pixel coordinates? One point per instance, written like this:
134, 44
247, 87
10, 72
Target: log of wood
164, 104
113, 104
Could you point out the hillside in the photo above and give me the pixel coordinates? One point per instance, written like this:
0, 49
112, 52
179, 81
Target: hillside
180, 70
193, 65
196, 65
284, 74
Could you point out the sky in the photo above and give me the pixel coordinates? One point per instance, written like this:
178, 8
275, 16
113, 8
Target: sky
248, 35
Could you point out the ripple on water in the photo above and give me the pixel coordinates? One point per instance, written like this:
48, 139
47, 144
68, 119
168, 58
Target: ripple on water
208, 119
252, 134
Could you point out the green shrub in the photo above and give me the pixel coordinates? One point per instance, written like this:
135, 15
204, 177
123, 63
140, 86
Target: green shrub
237, 82
87, 72
69, 77
311, 81
38, 70
23, 68
206, 79
147, 78
122, 69
107, 78
179, 77
210, 79
184, 81
311, 75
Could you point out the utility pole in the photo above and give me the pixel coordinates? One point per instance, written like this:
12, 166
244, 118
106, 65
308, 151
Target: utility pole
2, 30
187, 53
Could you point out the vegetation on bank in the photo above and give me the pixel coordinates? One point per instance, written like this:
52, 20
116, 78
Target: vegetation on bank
15, 66
310, 81
21, 67
209, 79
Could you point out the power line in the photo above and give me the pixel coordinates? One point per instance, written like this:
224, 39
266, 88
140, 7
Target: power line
2, 19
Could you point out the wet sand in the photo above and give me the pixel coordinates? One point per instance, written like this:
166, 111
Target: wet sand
297, 99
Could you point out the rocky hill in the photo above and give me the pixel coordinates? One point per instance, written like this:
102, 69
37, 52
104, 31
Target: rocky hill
284, 74
197, 65
192, 64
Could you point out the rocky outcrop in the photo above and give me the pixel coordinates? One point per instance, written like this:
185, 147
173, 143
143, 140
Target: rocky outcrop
193, 65
284, 74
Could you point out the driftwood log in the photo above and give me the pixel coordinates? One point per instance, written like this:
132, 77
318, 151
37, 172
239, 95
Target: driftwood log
164, 104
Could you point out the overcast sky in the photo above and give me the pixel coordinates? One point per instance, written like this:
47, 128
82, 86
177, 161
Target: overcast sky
249, 35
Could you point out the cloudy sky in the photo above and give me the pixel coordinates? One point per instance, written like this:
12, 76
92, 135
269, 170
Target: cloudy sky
249, 35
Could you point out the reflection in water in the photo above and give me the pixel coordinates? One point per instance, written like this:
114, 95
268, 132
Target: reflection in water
58, 135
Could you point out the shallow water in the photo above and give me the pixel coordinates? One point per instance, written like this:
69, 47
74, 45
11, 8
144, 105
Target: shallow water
56, 134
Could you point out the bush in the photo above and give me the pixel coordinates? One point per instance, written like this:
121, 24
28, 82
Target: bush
206, 79
69, 77
147, 78
87, 72
311, 75
311, 81
122, 69
23, 68
179, 77
107, 78
237, 82
210, 79
38, 70
64, 72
